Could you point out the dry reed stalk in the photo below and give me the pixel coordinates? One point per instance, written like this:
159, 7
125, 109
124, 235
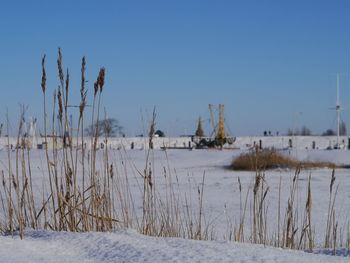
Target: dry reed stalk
94, 138
334, 233
306, 235
331, 203
148, 207
259, 210
67, 149
308, 209
15, 179
77, 195
240, 236
200, 216
290, 221
43, 87
279, 213
9, 199
83, 94
30, 194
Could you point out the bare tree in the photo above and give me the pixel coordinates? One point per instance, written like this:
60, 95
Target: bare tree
160, 133
108, 127
328, 132
305, 131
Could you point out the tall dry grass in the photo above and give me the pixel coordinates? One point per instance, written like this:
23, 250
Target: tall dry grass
85, 190
267, 159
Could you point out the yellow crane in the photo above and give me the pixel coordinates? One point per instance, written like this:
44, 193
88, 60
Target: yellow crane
219, 133
199, 131
220, 137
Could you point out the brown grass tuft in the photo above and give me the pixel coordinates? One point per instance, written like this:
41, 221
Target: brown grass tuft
267, 159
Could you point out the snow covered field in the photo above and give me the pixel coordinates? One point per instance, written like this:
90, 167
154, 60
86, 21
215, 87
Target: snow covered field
128, 246
221, 210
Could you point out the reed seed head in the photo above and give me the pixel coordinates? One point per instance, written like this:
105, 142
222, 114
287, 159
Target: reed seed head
332, 181
101, 78
60, 104
83, 68
60, 67
257, 184
43, 78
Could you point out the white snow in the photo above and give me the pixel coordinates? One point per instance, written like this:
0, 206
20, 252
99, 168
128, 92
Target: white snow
128, 246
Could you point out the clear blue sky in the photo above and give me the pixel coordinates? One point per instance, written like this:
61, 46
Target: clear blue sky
265, 60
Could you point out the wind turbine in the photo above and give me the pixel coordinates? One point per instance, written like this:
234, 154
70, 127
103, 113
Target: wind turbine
337, 109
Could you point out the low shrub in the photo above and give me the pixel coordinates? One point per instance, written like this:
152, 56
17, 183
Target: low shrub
267, 159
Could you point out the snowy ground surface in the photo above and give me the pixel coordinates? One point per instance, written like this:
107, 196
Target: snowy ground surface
128, 246
221, 205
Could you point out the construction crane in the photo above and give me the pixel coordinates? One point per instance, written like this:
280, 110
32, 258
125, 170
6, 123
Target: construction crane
212, 117
220, 137
221, 134
199, 131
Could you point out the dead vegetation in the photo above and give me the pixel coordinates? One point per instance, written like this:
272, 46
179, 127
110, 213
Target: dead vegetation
267, 159
87, 191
